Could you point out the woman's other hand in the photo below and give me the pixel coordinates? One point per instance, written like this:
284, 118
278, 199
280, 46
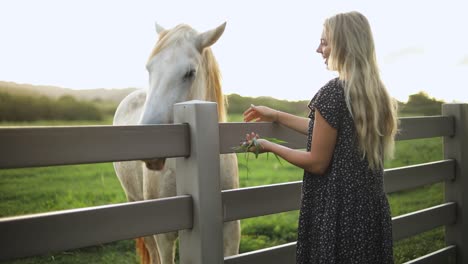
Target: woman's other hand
255, 143
260, 114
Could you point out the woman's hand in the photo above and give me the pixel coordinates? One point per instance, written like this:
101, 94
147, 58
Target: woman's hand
260, 113
255, 143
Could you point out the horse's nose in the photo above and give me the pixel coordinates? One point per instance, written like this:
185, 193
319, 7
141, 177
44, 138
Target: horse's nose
155, 164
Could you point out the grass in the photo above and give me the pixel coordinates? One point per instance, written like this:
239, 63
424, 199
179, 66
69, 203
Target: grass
34, 190
121, 252
24, 191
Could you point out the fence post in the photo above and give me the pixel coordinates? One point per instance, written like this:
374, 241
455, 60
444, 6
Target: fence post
456, 147
198, 176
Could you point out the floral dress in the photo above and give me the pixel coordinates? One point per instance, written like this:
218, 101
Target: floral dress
344, 215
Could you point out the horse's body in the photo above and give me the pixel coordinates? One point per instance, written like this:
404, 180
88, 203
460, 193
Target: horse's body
181, 68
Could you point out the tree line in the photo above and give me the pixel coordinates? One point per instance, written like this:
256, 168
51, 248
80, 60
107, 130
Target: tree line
238, 104
420, 104
31, 108
16, 107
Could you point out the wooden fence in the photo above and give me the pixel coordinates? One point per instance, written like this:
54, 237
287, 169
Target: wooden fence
200, 208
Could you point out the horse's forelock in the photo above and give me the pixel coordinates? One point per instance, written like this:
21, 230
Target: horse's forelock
168, 37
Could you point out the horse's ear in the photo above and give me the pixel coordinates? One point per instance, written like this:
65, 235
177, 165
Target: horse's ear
159, 28
209, 37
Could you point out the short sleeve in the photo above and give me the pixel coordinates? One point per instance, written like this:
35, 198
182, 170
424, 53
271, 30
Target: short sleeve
329, 101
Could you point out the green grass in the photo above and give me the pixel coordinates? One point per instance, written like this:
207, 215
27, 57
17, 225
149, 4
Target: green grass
35, 190
121, 252
235, 118
24, 191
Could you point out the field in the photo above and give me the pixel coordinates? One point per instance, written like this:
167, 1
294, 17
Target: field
24, 191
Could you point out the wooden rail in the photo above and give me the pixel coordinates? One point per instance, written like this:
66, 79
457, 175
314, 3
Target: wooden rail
36, 234
47, 146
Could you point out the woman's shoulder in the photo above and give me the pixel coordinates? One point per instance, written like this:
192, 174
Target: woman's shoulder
330, 95
330, 102
334, 84
333, 88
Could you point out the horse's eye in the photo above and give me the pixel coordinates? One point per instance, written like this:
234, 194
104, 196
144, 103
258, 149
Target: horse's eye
189, 74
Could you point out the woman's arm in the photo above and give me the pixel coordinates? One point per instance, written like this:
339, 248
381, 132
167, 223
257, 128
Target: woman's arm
297, 123
318, 159
263, 113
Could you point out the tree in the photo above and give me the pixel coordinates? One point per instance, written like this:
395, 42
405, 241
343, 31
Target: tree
422, 104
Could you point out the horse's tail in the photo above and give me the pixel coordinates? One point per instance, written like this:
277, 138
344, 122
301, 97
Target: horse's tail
142, 251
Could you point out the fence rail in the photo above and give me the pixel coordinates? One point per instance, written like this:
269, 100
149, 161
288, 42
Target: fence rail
69, 229
286, 254
48, 146
29, 147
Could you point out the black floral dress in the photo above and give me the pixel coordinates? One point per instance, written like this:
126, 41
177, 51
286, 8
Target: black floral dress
344, 216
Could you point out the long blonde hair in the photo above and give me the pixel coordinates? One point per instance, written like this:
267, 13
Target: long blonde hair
373, 110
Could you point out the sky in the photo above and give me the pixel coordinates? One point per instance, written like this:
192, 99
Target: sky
267, 49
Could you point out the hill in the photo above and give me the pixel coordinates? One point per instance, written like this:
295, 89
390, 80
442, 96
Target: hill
101, 94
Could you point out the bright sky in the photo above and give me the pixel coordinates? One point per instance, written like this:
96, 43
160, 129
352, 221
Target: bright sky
268, 48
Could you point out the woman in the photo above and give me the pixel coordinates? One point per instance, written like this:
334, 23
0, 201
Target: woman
344, 215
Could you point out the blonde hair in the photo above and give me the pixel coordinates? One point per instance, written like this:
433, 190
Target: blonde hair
373, 110
213, 83
211, 73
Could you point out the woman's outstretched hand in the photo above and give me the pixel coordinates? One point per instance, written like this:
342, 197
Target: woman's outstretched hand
253, 143
260, 114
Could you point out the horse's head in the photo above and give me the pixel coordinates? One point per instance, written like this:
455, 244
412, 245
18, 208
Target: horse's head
181, 67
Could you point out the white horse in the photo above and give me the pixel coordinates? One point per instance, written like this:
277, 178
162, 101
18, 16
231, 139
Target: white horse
181, 67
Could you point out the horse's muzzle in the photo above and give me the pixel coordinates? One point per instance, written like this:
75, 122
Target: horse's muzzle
155, 164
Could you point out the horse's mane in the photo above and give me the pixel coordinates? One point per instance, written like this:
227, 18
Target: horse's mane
212, 73
213, 80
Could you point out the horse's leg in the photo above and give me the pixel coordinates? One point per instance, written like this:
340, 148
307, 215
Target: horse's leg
152, 249
166, 188
130, 175
159, 184
231, 237
166, 243
230, 180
